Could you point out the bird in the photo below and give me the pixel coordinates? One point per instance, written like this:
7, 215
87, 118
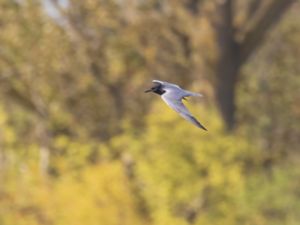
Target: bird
173, 95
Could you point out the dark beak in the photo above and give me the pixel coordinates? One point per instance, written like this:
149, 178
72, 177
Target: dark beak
149, 90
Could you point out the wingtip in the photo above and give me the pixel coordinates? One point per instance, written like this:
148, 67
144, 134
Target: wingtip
202, 127
157, 81
198, 124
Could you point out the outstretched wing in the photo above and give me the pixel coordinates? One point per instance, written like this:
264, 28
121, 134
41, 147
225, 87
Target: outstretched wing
165, 83
157, 81
179, 107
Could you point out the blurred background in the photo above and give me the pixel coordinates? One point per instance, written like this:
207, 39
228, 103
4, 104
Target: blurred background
80, 143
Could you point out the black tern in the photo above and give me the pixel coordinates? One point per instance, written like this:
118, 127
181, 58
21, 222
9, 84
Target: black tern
172, 95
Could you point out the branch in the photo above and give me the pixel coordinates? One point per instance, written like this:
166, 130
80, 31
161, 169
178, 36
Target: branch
184, 41
271, 15
27, 102
94, 53
193, 6
225, 28
135, 186
253, 8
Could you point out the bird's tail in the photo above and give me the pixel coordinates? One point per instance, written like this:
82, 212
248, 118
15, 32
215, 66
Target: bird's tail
189, 93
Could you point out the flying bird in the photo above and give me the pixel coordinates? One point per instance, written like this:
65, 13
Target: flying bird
172, 95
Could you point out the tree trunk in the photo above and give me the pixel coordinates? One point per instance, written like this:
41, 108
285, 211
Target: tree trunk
227, 74
233, 54
228, 64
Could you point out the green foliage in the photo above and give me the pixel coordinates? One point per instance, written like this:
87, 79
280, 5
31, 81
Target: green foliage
81, 144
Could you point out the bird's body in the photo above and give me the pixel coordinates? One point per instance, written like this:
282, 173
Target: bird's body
172, 95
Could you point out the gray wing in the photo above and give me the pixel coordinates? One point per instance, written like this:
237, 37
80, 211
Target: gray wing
179, 107
165, 83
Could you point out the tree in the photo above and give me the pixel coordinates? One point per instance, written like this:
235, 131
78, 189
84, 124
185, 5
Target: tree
236, 43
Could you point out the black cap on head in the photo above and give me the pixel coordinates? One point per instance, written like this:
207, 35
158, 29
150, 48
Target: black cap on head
157, 89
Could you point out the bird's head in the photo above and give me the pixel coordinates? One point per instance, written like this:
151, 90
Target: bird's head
157, 89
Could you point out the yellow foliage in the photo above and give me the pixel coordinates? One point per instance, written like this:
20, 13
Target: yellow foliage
164, 175
98, 194
80, 143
